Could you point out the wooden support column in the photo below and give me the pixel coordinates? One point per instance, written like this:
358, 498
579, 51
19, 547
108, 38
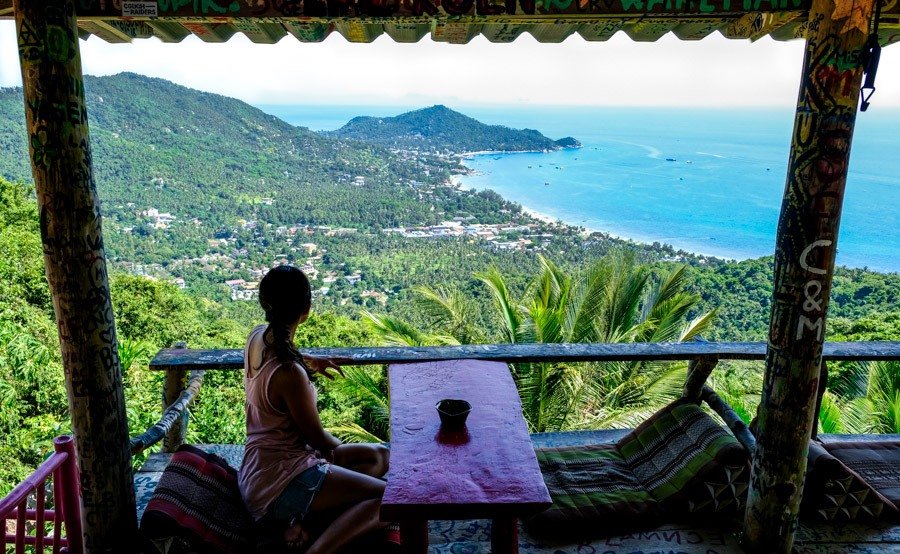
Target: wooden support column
75, 263
804, 262
174, 384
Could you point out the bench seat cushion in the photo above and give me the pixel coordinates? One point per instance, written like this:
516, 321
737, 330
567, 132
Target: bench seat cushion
677, 464
687, 461
877, 462
590, 484
197, 505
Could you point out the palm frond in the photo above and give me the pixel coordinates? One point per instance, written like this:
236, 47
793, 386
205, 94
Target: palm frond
830, 420
448, 309
698, 325
352, 432
394, 332
508, 311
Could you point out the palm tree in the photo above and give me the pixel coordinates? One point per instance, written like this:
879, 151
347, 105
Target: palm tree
870, 402
615, 300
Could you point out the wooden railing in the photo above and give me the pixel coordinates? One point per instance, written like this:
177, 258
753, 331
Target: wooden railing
185, 367
66, 505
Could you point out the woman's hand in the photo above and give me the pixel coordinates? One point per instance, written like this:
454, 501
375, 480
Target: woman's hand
322, 365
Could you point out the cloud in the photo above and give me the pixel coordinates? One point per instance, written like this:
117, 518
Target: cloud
714, 72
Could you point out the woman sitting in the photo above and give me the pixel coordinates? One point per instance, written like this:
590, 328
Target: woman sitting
292, 467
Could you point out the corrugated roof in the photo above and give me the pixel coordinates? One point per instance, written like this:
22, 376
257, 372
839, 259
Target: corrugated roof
454, 21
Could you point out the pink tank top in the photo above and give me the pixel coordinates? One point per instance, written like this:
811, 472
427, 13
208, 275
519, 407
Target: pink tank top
275, 451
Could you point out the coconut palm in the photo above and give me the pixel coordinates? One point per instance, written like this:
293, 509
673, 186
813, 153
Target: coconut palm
870, 403
615, 300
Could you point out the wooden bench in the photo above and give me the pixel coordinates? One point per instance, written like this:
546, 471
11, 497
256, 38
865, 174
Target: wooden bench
487, 470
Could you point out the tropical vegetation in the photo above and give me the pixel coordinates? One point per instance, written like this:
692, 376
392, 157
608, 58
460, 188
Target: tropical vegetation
239, 181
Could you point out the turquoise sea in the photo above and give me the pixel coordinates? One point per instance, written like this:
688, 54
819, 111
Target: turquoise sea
706, 181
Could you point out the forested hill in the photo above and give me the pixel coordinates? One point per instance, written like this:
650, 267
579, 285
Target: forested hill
208, 158
440, 129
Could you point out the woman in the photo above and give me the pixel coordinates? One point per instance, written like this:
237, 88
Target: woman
292, 467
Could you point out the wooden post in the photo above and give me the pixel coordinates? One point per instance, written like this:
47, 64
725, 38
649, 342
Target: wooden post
804, 261
173, 385
697, 374
76, 267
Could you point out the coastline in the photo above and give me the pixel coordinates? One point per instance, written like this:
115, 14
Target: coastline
543, 217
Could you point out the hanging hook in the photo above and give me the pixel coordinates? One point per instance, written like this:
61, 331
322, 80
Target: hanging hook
870, 55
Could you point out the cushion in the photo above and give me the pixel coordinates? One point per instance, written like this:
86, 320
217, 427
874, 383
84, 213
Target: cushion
877, 462
834, 492
678, 463
197, 503
590, 484
689, 463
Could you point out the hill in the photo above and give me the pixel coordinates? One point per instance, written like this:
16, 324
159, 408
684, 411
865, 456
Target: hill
206, 189
214, 162
440, 129
202, 156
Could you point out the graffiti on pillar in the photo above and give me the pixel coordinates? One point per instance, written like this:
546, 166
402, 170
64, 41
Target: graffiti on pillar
72, 242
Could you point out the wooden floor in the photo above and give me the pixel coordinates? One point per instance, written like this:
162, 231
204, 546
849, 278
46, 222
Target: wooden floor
473, 537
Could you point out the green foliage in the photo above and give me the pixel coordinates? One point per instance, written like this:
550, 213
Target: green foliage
228, 171
150, 315
614, 300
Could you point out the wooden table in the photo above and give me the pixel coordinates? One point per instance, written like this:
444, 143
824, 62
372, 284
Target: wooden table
488, 470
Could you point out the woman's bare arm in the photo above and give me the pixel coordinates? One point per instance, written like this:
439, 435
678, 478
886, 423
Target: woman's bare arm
290, 390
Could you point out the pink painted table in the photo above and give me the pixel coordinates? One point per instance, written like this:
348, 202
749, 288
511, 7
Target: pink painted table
487, 470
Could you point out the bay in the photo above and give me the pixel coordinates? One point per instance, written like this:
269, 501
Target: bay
705, 181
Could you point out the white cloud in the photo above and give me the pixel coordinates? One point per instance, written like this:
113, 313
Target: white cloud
712, 72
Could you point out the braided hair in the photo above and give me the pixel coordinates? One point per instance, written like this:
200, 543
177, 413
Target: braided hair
285, 295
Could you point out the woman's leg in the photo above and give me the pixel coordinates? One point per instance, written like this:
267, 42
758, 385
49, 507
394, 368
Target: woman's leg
370, 459
360, 495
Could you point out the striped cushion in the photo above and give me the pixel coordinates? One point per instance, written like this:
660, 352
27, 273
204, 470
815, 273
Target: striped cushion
835, 492
678, 448
197, 501
678, 463
590, 483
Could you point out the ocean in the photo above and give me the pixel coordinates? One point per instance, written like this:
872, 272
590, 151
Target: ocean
705, 181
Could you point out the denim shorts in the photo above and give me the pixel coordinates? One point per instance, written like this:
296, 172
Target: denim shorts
296, 498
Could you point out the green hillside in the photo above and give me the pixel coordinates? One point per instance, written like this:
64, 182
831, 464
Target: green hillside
440, 129
244, 190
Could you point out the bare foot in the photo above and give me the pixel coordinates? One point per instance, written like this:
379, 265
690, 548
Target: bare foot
296, 537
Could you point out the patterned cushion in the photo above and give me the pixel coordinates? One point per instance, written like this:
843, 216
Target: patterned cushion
197, 503
834, 492
877, 462
590, 484
688, 462
679, 463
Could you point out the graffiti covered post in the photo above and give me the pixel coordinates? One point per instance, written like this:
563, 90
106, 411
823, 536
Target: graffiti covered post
75, 263
804, 262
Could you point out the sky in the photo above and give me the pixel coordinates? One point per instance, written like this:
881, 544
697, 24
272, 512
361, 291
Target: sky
713, 72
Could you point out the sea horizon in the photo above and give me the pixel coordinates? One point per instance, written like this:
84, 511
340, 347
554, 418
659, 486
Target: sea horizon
669, 175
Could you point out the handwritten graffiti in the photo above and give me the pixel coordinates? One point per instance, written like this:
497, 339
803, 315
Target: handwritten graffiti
71, 237
836, 78
386, 8
812, 293
204, 7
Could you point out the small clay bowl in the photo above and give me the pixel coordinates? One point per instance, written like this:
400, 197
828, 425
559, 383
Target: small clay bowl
453, 413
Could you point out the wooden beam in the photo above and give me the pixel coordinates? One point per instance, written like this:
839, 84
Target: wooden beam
805, 248
697, 374
184, 359
75, 262
467, 11
174, 414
